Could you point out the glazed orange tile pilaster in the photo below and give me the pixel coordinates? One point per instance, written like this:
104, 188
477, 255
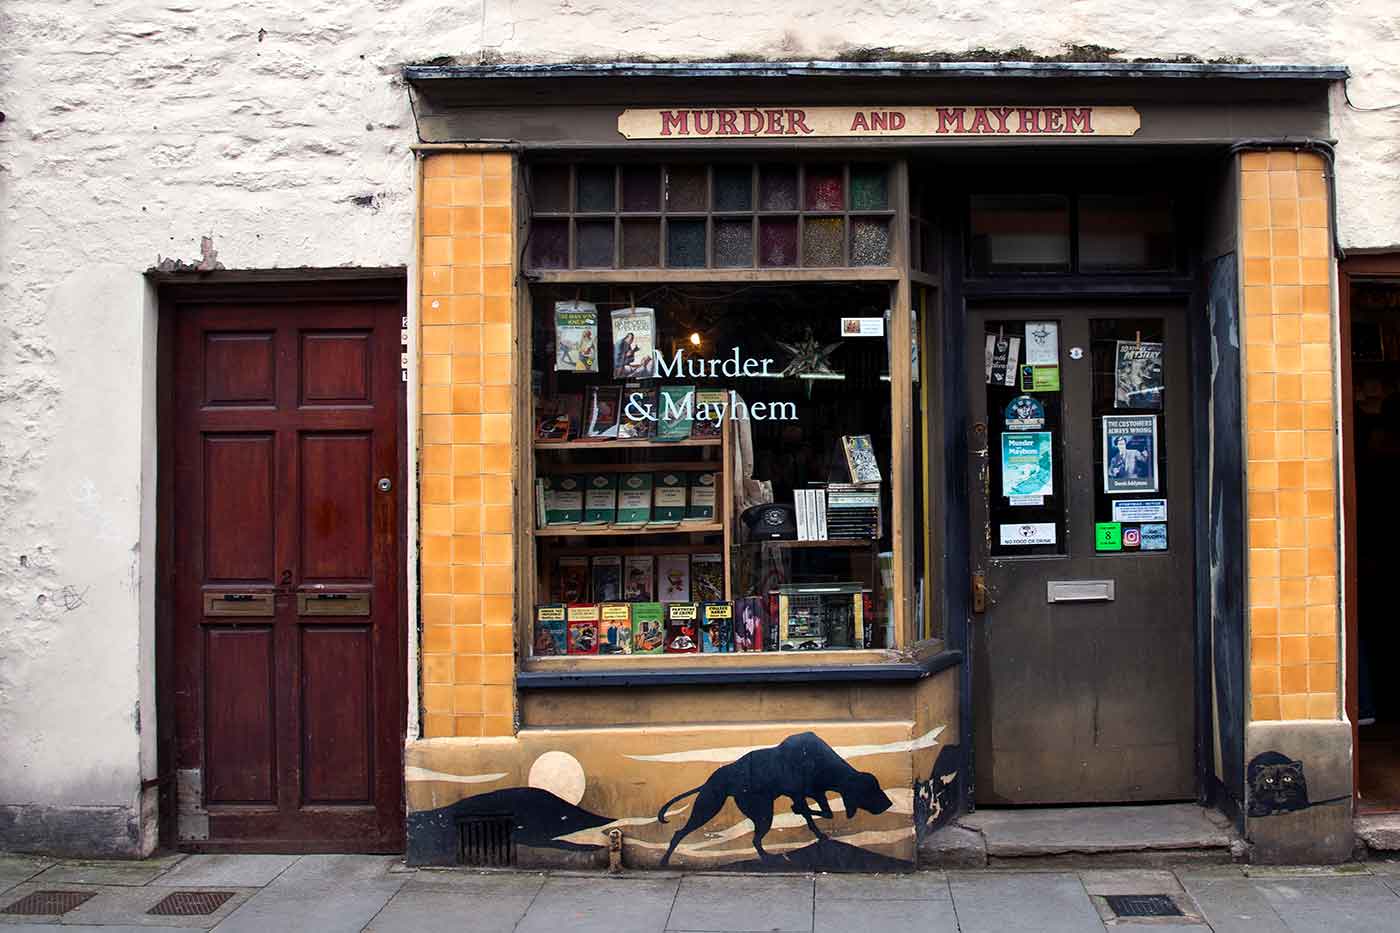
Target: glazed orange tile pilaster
466, 460
1290, 451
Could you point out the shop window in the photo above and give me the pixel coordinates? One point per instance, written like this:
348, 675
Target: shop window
712, 465
721, 215
1126, 233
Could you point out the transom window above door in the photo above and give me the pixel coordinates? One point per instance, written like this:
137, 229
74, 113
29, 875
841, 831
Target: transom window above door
1085, 232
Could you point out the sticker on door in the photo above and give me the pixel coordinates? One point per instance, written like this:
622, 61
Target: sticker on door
1027, 533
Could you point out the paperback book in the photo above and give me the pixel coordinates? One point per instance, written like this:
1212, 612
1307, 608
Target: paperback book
571, 580
676, 412
600, 499
717, 627
639, 578
638, 414
673, 578
682, 628
634, 499
701, 504
710, 408
648, 628
634, 343
750, 623
607, 578
668, 503
707, 577
860, 458
575, 337
550, 630
583, 629
563, 499
615, 626
603, 410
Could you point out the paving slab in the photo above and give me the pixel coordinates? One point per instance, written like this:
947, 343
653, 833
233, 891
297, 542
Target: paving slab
920, 886
129, 874
1130, 881
325, 893
895, 916
218, 871
1022, 902
1336, 904
754, 902
1094, 830
15, 869
476, 882
1233, 905
105, 928
445, 909
602, 904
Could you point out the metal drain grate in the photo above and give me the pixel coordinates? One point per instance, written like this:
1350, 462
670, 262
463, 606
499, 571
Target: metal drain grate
487, 842
48, 903
190, 903
1143, 905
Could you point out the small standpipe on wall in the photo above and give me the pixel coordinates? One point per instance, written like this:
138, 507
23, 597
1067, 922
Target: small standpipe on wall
614, 851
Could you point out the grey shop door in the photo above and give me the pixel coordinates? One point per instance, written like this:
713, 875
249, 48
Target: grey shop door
1082, 653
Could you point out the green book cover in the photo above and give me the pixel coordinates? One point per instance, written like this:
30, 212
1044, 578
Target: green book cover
600, 499
701, 505
668, 503
563, 500
634, 499
677, 412
648, 629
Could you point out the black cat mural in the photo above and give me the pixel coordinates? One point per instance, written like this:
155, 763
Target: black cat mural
801, 767
1276, 784
938, 798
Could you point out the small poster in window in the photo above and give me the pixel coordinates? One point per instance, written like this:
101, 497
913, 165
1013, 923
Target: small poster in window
860, 458
1027, 464
1137, 374
575, 337
1129, 453
634, 340
1003, 359
1042, 343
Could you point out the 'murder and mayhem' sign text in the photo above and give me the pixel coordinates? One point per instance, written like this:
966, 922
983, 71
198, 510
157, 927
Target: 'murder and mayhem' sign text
740, 122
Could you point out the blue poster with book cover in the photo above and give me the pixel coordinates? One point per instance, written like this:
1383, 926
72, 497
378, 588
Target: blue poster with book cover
1027, 464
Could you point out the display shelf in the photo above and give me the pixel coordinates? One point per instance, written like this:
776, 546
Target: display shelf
832, 543
593, 531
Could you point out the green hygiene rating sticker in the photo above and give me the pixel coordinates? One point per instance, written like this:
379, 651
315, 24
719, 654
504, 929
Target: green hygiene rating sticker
1108, 536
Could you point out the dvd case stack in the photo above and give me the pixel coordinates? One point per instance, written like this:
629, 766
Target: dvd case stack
853, 510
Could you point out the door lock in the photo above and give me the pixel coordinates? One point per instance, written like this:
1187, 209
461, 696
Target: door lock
384, 484
979, 591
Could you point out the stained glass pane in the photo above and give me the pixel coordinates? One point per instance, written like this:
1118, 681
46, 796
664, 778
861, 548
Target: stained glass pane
641, 188
777, 242
685, 244
686, 188
733, 188
549, 188
869, 188
594, 248
595, 189
777, 187
734, 243
549, 244
641, 243
824, 188
870, 241
823, 239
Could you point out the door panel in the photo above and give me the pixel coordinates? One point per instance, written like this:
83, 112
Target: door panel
1083, 697
288, 640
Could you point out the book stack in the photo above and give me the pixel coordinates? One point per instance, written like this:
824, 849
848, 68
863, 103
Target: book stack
810, 508
853, 510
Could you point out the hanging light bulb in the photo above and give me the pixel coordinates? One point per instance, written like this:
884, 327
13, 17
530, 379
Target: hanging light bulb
694, 339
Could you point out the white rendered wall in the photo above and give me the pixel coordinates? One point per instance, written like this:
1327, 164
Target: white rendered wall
282, 131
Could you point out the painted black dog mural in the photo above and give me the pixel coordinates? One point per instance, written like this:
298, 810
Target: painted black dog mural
802, 767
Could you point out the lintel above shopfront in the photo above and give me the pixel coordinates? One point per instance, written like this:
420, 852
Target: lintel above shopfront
869, 104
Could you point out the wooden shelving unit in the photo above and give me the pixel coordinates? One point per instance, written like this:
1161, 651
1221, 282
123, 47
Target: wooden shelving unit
596, 531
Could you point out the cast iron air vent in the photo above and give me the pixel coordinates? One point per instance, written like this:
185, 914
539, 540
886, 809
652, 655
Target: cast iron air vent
1143, 905
190, 903
487, 842
48, 903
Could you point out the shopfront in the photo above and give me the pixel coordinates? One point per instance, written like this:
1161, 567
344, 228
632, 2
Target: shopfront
807, 454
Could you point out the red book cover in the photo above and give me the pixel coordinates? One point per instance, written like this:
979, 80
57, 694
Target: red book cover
583, 628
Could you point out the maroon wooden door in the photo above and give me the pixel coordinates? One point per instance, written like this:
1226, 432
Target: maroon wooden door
287, 521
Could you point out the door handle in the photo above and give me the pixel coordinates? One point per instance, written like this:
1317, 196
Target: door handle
979, 591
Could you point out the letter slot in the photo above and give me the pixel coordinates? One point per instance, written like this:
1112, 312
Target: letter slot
1079, 591
333, 604
238, 604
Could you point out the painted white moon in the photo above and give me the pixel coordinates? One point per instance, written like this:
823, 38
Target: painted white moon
560, 774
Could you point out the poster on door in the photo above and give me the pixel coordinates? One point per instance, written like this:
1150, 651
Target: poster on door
1027, 464
1129, 453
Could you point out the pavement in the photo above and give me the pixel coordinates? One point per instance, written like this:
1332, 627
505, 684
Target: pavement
271, 893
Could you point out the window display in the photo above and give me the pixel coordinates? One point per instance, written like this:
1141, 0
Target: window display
724, 483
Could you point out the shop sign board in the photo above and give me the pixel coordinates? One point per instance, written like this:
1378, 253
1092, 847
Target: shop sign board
762, 122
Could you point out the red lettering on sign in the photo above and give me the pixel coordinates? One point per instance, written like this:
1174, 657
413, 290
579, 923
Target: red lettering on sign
704, 122
727, 119
980, 123
797, 120
1054, 120
1081, 117
950, 119
896, 120
859, 122
1001, 113
1030, 122
753, 122
775, 122
879, 120
671, 119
